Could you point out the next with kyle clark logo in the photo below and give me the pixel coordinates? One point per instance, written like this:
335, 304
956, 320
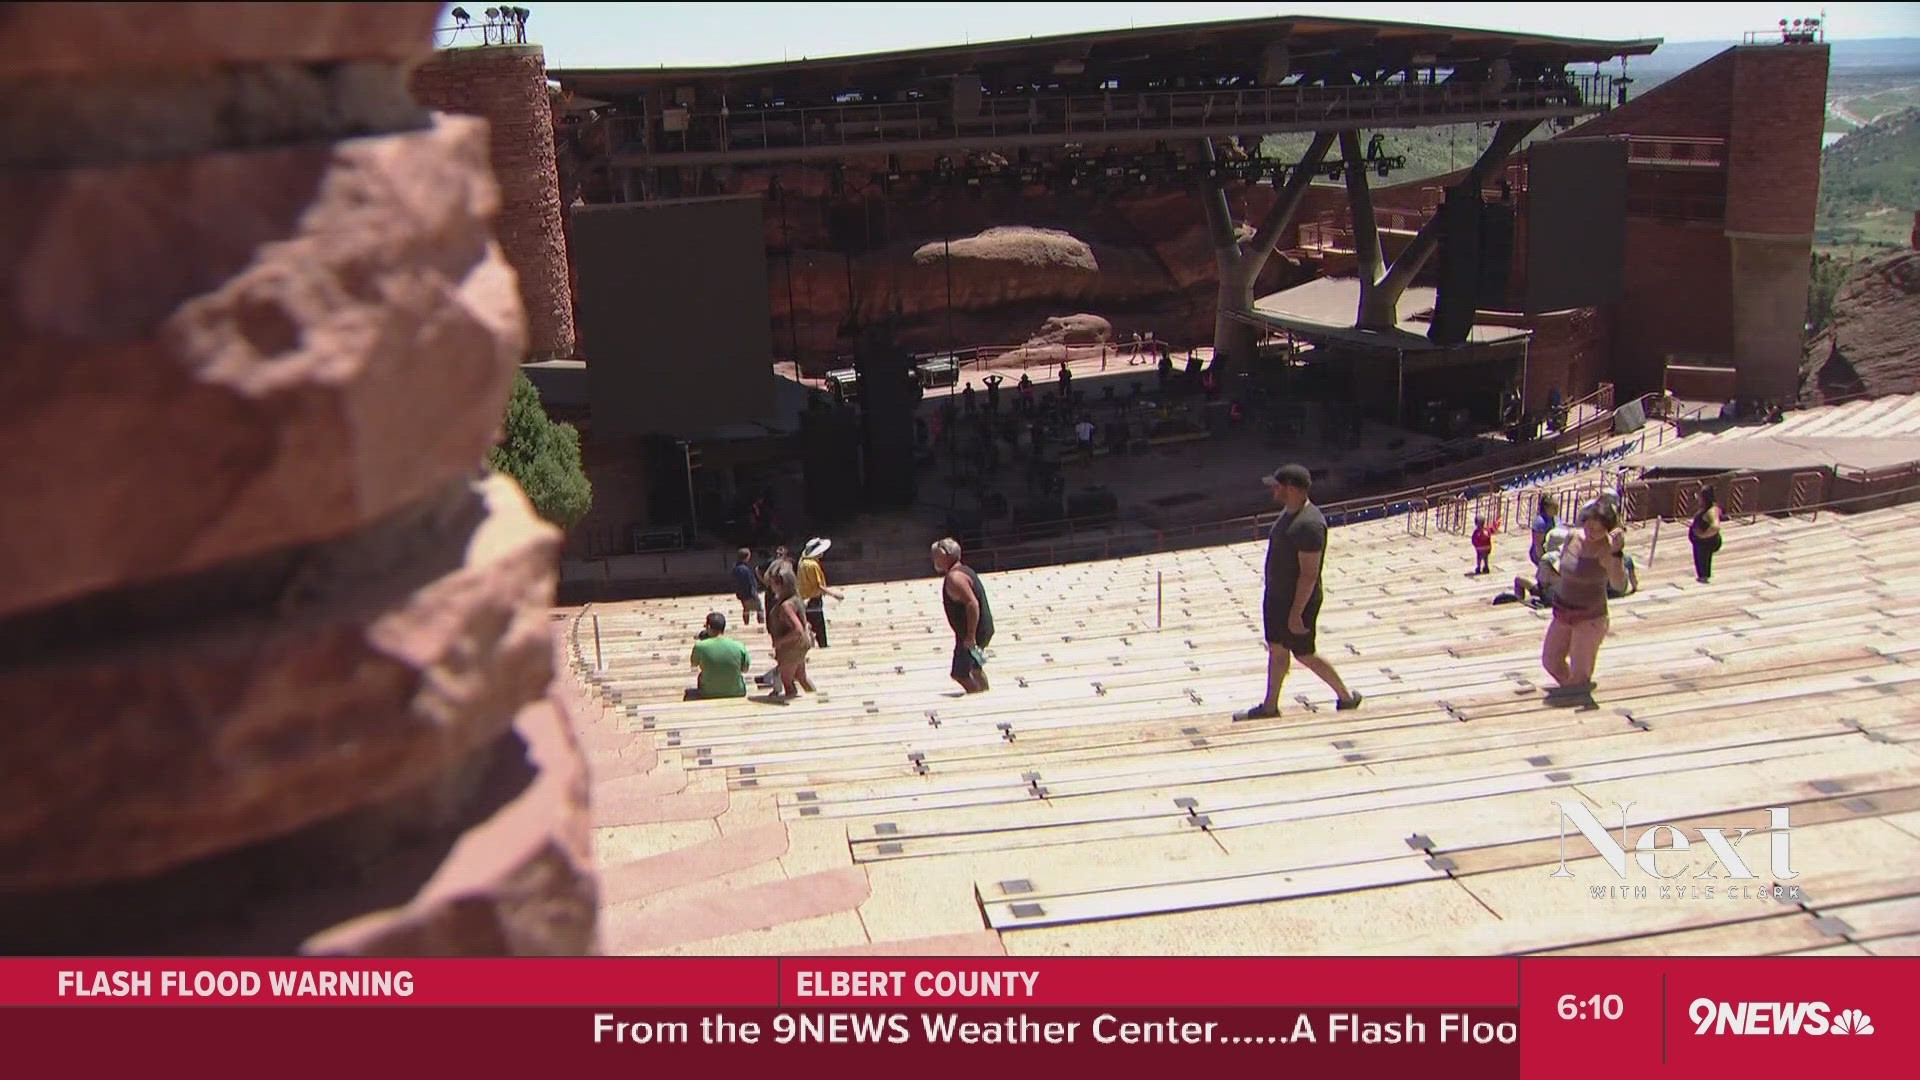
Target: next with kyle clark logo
1716, 857
1712, 1017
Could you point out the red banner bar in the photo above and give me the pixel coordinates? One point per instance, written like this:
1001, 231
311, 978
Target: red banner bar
1117, 981
1565, 1018
86, 981
291, 1044
1596, 1017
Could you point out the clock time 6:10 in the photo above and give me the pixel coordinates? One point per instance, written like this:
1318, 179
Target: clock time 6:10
1596, 1007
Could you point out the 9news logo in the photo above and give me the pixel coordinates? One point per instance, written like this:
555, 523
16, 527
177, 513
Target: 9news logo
1775, 1018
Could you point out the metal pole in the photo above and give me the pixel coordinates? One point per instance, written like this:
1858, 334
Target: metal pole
1655, 546
1526, 370
947, 241
1400, 390
598, 663
693, 513
793, 317
1159, 599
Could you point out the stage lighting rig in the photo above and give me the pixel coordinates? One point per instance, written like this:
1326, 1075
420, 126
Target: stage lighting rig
1110, 174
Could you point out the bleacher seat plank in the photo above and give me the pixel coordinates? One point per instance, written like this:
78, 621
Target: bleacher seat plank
1783, 683
1777, 930
1015, 912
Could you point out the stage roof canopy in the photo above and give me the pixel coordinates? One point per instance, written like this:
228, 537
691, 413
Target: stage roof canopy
1208, 48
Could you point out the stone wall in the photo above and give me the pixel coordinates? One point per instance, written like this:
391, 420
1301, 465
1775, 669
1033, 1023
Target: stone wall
1773, 186
506, 85
277, 657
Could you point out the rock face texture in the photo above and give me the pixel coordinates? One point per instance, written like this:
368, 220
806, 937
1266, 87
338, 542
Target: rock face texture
506, 85
1142, 260
1873, 345
278, 655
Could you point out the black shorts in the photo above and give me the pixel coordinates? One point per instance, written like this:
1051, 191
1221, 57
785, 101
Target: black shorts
964, 663
1277, 608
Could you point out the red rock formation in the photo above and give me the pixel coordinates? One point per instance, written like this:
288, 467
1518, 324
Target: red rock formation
1873, 344
279, 663
506, 85
1152, 265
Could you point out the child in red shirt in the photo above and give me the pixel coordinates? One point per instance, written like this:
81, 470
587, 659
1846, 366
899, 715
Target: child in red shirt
1483, 543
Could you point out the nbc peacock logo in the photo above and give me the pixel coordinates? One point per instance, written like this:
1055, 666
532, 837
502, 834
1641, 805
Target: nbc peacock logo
1851, 1022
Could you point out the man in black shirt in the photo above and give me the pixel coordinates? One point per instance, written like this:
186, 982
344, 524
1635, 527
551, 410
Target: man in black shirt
965, 600
1291, 608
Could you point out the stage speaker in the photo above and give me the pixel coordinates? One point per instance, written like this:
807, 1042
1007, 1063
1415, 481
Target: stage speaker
846, 228
889, 394
830, 453
1629, 418
855, 227
1459, 268
1496, 254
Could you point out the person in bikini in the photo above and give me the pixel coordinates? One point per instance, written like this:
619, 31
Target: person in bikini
1592, 562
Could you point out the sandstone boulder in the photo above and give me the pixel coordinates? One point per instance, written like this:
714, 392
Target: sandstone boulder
518, 882
1873, 345
1082, 329
240, 352
382, 660
490, 856
1016, 246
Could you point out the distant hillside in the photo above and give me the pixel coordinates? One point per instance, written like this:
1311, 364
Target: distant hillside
1876, 56
1870, 185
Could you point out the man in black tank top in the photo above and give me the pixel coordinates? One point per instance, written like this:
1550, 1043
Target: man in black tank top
965, 600
1291, 604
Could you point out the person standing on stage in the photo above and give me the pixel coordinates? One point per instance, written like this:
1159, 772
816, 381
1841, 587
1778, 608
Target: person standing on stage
965, 601
1296, 549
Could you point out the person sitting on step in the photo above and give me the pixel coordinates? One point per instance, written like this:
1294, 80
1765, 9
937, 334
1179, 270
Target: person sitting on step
722, 662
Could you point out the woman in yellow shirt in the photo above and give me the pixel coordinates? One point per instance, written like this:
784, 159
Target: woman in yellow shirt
813, 587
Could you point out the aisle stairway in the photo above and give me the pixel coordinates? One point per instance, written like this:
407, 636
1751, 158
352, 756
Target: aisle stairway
1101, 800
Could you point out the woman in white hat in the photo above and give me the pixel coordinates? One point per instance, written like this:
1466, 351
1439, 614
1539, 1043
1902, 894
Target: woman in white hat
813, 587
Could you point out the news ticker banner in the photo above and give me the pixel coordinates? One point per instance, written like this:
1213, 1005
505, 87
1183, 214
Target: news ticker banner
1498, 1017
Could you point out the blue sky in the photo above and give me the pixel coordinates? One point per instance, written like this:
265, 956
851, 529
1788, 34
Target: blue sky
644, 35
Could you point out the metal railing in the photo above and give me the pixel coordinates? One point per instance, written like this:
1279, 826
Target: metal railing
1797, 32
1007, 553
1676, 151
981, 358
754, 127
1098, 537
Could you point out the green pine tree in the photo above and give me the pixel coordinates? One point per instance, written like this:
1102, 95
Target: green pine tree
544, 457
